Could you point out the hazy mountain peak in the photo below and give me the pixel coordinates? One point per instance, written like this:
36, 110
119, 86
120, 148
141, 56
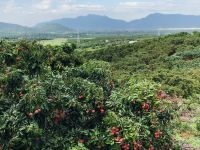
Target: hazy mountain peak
92, 22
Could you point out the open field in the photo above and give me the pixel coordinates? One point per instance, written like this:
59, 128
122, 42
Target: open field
53, 42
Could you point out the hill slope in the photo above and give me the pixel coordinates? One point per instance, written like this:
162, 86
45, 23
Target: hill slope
11, 27
52, 27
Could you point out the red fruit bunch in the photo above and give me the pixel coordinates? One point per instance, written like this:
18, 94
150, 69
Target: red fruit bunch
115, 131
137, 146
81, 97
93, 111
21, 94
59, 115
157, 134
101, 109
37, 111
119, 140
146, 106
86, 111
125, 146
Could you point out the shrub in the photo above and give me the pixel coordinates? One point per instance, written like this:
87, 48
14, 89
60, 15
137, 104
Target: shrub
141, 118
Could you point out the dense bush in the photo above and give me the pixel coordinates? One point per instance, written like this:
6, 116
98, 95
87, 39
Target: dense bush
139, 116
181, 83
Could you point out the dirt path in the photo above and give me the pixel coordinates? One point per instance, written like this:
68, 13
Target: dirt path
188, 147
187, 118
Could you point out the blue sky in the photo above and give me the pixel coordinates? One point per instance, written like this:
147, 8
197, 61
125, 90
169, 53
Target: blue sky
30, 12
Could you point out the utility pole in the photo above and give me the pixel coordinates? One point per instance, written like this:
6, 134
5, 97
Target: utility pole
158, 32
78, 38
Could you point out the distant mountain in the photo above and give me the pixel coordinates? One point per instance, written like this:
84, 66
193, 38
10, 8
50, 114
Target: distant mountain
40, 28
92, 23
157, 20
152, 21
104, 23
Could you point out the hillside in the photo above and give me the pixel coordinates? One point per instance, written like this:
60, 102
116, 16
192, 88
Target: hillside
6, 27
172, 62
143, 95
52, 28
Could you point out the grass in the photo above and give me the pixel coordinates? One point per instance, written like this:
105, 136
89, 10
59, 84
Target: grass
53, 42
187, 132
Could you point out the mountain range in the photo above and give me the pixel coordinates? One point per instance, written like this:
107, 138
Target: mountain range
104, 23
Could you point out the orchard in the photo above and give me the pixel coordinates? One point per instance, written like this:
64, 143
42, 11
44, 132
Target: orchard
51, 98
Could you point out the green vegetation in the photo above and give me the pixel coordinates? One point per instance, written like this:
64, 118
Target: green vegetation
172, 61
106, 93
53, 42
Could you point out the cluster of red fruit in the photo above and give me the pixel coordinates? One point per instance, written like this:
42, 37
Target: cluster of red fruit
88, 111
119, 140
100, 107
157, 134
125, 146
59, 115
101, 110
146, 106
21, 94
81, 97
137, 146
37, 111
115, 131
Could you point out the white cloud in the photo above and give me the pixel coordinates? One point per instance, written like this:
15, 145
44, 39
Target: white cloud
10, 7
30, 12
65, 6
90, 7
44, 5
129, 4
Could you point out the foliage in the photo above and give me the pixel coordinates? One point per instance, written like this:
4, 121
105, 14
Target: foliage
198, 125
50, 99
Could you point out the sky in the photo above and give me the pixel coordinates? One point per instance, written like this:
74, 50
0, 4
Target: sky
31, 12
